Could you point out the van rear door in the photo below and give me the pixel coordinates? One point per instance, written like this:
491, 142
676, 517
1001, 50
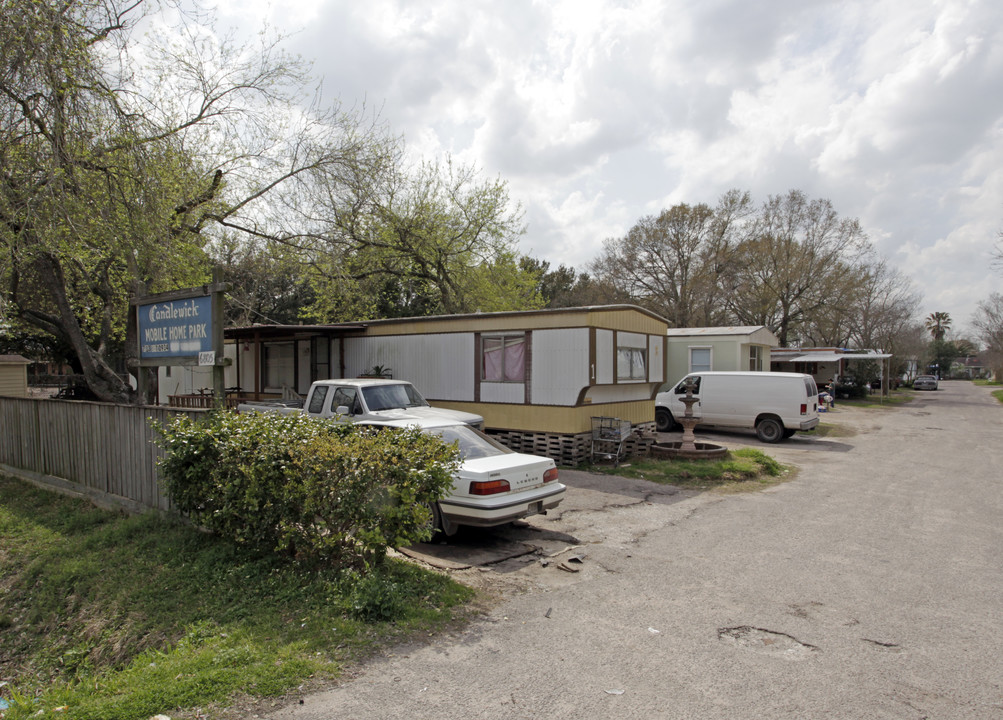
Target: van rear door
811, 390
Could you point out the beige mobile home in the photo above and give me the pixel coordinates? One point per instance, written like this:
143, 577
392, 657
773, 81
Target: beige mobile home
537, 377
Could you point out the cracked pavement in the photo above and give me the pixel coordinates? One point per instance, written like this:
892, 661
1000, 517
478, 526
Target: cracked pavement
869, 586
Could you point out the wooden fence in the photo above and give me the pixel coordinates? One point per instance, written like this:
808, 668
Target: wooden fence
104, 452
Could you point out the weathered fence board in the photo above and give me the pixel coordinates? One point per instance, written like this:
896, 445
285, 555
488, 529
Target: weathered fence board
106, 452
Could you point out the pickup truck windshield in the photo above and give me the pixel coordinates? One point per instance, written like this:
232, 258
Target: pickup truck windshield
390, 397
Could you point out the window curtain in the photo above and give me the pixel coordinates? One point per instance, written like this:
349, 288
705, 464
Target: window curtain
504, 359
515, 359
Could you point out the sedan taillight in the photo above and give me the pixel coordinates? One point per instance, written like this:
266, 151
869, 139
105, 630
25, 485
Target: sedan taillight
550, 475
489, 487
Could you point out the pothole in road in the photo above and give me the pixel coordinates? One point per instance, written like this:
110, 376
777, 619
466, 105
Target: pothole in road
767, 642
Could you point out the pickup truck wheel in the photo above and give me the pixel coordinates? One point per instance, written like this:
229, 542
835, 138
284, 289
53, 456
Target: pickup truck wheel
769, 430
663, 420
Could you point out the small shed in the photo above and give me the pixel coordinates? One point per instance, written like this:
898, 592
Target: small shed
745, 347
14, 375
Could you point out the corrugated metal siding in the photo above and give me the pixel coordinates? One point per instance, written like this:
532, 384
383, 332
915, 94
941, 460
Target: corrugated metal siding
554, 419
601, 394
631, 340
627, 320
656, 358
605, 357
560, 365
630, 319
514, 393
441, 366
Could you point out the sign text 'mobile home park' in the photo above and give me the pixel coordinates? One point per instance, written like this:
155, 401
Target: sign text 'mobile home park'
182, 327
177, 328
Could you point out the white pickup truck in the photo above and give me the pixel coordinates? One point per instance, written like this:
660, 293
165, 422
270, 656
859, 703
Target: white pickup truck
365, 400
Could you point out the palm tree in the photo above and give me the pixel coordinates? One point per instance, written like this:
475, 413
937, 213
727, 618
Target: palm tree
938, 323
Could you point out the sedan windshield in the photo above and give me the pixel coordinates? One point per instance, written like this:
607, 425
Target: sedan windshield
391, 397
472, 443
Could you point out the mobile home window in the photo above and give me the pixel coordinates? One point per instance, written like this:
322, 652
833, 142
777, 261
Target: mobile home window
503, 358
630, 364
320, 358
279, 367
700, 360
756, 358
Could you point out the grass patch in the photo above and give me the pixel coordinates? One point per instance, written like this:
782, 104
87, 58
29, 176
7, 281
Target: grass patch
113, 616
998, 394
739, 470
984, 382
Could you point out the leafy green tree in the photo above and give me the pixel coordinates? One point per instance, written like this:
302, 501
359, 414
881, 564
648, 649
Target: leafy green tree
443, 234
121, 153
941, 354
267, 283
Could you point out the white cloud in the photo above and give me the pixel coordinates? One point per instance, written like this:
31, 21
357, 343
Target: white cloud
598, 112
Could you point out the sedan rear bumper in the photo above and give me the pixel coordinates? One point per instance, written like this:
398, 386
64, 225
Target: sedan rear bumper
502, 508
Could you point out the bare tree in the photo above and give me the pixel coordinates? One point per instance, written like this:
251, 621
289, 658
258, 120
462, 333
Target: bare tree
988, 322
799, 264
673, 263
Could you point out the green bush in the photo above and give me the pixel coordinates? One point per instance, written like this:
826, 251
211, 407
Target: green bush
317, 490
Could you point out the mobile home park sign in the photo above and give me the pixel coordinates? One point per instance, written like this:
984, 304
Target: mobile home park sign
176, 328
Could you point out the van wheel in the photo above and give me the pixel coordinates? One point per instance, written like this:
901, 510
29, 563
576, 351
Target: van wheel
769, 430
664, 421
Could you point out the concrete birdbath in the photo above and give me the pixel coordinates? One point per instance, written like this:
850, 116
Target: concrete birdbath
688, 448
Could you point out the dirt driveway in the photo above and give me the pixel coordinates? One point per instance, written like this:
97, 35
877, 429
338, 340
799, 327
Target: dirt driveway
871, 586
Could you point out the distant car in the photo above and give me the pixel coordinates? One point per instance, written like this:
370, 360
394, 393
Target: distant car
494, 484
924, 382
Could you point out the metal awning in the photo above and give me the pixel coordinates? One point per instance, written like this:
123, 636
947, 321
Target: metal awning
826, 356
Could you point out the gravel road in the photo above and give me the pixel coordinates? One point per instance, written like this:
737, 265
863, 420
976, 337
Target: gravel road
870, 586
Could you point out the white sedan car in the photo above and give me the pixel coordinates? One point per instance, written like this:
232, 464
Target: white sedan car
494, 484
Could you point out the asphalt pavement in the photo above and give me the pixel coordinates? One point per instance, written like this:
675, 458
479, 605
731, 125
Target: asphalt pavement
869, 586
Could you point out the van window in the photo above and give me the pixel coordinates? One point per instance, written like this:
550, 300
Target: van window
681, 387
810, 387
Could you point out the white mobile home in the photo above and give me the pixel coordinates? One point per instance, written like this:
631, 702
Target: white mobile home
719, 348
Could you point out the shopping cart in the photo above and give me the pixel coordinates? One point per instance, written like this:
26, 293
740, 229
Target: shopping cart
608, 437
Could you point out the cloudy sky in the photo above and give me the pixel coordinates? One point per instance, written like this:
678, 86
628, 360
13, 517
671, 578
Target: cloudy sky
598, 112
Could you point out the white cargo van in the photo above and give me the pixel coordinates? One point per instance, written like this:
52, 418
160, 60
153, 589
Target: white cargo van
774, 404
